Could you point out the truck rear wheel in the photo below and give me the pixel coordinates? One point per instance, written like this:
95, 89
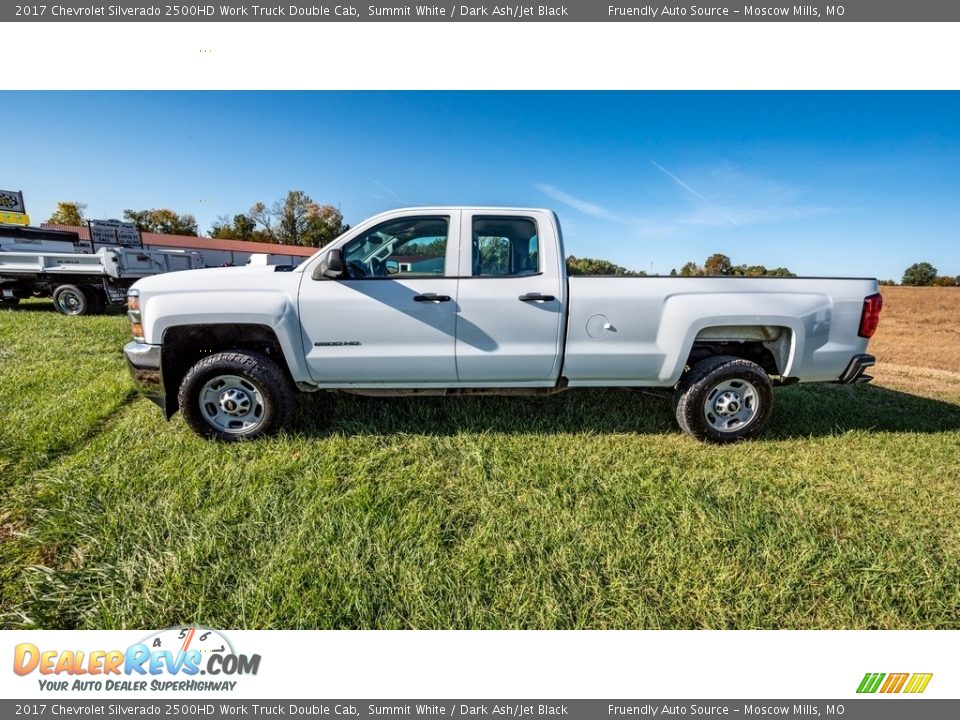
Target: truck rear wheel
72, 300
724, 399
236, 395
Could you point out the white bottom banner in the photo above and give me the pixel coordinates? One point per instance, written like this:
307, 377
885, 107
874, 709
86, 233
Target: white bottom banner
188, 661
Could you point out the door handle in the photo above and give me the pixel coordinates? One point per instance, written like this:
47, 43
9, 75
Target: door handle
533, 297
431, 297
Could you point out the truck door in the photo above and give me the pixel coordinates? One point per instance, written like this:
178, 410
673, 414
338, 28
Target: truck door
511, 300
392, 318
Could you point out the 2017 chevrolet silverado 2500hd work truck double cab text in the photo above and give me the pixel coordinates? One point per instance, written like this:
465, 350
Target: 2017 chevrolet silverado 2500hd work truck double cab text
477, 300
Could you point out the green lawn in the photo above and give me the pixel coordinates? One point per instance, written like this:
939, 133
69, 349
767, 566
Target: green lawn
583, 510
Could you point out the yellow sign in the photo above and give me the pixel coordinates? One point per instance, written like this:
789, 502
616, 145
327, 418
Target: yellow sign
13, 218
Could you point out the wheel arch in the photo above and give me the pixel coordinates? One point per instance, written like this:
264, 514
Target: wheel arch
185, 345
771, 343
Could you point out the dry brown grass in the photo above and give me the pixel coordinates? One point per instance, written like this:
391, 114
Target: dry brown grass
918, 342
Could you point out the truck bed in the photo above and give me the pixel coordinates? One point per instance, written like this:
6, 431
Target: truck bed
639, 331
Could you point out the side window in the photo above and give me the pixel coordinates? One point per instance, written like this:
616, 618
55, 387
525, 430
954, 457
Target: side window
406, 247
505, 247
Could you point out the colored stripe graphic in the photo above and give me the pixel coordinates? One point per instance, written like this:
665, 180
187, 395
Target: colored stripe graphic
918, 683
894, 682
870, 682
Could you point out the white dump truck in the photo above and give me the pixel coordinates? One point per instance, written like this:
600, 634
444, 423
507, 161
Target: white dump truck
47, 263
471, 300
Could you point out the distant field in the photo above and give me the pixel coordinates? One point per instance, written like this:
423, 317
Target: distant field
584, 510
918, 343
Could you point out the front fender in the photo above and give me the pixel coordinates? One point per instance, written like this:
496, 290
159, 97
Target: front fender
272, 309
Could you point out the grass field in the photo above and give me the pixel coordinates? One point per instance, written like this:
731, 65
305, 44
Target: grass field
583, 510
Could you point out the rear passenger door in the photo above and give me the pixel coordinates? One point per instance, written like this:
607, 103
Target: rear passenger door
510, 299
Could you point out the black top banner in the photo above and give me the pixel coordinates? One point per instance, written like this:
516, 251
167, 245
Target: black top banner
211, 707
482, 11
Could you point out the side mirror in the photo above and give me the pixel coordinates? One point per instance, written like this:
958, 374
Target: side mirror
393, 267
331, 265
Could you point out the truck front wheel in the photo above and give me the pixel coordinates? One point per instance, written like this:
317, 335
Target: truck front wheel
724, 399
236, 395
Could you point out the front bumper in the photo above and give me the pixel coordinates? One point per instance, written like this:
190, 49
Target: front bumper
855, 372
143, 360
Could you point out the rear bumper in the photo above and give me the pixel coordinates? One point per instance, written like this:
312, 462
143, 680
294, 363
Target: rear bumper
143, 361
855, 372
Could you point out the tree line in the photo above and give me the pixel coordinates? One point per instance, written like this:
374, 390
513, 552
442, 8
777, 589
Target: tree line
716, 264
720, 264
295, 219
923, 274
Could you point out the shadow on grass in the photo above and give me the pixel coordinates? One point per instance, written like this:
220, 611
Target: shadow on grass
46, 306
799, 412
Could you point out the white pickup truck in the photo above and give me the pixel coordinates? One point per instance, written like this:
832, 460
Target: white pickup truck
469, 300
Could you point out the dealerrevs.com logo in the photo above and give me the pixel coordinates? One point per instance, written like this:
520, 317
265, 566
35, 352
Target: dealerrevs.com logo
172, 659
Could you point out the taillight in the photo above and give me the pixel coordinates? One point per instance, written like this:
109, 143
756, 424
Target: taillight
870, 317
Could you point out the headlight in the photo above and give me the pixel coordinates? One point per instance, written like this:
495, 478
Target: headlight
133, 312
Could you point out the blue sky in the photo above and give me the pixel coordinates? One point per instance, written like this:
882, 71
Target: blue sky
829, 183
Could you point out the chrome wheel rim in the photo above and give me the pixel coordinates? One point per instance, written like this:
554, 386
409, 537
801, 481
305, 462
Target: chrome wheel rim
731, 405
70, 302
232, 404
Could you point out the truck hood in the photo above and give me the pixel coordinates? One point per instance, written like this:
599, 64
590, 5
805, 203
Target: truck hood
225, 278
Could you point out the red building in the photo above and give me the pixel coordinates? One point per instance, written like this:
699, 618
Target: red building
215, 252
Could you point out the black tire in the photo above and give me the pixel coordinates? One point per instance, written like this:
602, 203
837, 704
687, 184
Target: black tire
254, 376
97, 298
72, 300
724, 399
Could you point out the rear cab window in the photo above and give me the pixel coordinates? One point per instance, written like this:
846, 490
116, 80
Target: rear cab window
504, 246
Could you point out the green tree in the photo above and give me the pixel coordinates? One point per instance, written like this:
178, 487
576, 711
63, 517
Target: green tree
298, 220
718, 264
593, 266
920, 274
944, 281
433, 248
241, 227
690, 269
780, 272
69, 213
162, 220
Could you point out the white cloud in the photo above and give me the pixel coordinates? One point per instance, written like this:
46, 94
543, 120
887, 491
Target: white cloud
721, 195
693, 192
391, 193
587, 208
